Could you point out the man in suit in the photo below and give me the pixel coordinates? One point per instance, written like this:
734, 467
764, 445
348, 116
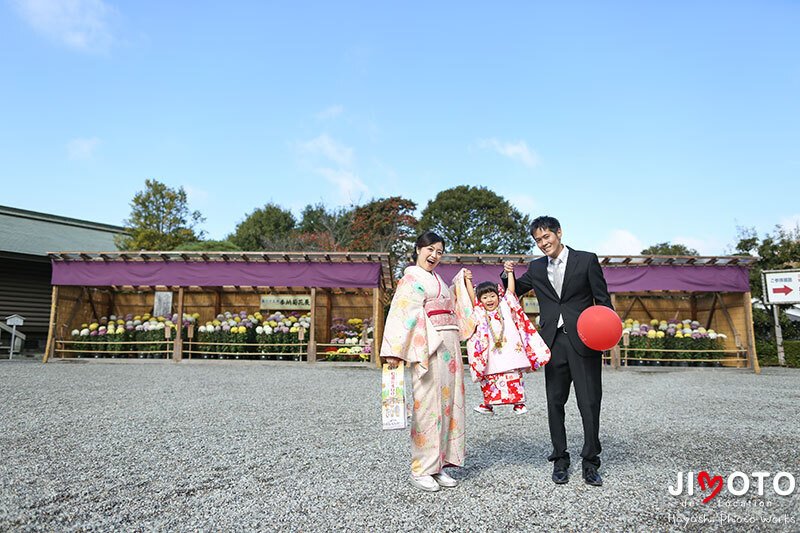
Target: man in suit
566, 282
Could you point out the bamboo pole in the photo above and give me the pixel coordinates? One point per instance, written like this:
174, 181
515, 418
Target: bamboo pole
752, 355
615, 351
177, 350
48, 351
377, 313
312, 335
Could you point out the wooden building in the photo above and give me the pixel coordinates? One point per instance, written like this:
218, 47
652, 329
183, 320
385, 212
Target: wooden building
713, 290
87, 286
25, 239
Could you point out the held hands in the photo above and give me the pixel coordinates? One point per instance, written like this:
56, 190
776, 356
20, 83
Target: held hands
508, 266
468, 274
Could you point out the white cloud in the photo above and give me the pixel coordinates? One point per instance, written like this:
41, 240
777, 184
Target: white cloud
79, 24
326, 147
331, 112
82, 149
791, 222
703, 246
620, 242
350, 187
518, 151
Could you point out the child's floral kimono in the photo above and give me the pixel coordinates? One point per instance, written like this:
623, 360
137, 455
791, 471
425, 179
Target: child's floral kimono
505, 342
422, 329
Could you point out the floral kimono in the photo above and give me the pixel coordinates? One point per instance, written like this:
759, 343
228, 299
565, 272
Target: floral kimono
422, 329
505, 342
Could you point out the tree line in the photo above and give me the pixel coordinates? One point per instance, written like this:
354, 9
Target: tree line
472, 220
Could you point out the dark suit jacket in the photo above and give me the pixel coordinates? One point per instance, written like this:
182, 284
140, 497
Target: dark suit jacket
584, 286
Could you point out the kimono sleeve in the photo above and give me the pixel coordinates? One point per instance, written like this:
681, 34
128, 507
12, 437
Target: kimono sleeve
536, 349
463, 307
405, 334
478, 345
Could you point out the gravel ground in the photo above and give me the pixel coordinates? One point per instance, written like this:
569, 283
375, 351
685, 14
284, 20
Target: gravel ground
294, 447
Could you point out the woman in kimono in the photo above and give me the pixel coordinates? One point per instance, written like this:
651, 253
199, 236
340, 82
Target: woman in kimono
422, 329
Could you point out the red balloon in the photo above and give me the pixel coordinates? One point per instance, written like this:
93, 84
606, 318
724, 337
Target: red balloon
599, 327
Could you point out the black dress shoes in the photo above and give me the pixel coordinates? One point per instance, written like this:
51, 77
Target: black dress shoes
560, 475
590, 476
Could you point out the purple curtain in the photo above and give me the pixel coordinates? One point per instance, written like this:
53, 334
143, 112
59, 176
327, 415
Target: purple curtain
636, 278
215, 274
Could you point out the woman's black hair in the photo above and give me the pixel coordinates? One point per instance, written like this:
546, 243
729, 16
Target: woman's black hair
485, 288
426, 239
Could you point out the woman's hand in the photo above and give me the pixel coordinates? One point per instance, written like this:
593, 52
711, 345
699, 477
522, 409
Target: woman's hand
468, 274
508, 266
393, 362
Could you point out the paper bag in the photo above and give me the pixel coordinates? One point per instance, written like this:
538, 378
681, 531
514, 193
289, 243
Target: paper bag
393, 397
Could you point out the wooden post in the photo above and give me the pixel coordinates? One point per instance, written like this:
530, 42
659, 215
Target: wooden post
49, 348
752, 355
693, 304
377, 316
177, 347
776, 314
615, 352
312, 335
217, 301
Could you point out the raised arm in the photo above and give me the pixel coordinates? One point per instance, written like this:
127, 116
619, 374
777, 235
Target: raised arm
468, 283
522, 285
508, 268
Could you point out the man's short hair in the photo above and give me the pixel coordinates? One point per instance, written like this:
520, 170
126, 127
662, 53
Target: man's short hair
545, 223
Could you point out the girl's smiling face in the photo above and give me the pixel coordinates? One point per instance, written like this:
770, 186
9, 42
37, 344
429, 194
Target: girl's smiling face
490, 301
428, 257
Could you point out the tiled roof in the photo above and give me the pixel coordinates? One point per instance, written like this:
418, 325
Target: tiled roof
32, 233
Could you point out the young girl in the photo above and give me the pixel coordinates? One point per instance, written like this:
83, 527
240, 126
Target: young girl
503, 344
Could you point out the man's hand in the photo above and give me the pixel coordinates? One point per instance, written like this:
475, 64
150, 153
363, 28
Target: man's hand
468, 274
508, 266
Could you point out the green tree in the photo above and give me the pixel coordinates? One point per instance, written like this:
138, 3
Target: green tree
266, 228
321, 229
384, 225
208, 246
475, 220
160, 219
667, 248
778, 250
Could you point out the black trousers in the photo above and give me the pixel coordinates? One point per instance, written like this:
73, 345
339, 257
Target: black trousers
567, 367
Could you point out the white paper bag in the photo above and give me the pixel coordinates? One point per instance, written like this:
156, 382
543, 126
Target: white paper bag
393, 397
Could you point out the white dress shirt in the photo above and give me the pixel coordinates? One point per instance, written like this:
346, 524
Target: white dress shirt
555, 273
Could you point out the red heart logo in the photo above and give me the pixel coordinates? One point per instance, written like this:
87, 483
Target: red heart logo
705, 481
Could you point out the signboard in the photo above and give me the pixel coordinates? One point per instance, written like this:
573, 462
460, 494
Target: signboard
781, 286
163, 304
530, 305
15, 320
279, 302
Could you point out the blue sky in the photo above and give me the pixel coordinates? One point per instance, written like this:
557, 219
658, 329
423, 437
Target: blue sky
632, 122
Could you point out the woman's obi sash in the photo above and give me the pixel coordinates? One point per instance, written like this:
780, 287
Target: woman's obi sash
440, 312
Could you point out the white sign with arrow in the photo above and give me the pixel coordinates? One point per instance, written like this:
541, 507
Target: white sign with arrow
781, 286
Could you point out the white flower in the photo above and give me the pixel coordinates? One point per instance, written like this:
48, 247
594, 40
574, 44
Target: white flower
84, 332
259, 330
75, 332
201, 329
